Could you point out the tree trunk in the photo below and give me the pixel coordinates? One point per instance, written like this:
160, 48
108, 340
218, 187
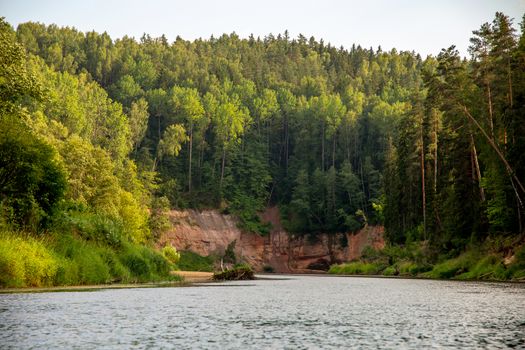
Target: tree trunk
347, 142
509, 74
333, 152
510, 171
201, 155
222, 165
287, 145
322, 148
435, 156
154, 164
190, 156
424, 198
363, 198
491, 113
158, 126
476, 166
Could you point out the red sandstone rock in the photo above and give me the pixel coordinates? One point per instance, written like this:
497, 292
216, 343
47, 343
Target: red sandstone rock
209, 232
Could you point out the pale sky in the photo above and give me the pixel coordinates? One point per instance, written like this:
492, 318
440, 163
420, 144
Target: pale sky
420, 25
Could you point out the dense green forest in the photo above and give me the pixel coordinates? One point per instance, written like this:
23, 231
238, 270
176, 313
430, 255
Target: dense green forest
100, 137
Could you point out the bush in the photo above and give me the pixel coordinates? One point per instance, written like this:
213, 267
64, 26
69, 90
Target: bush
31, 181
390, 271
171, 254
90, 226
144, 263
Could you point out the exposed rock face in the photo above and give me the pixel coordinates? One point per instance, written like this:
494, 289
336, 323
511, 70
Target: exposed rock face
210, 232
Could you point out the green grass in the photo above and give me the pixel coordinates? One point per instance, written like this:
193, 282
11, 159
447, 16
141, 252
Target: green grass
190, 261
25, 261
355, 268
475, 265
390, 271
63, 259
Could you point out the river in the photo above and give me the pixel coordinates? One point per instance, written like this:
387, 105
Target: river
295, 312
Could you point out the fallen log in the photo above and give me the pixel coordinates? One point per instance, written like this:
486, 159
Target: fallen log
237, 273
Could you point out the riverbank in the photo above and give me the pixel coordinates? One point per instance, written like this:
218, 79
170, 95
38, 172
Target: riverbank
186, 278
485, 263
194, 276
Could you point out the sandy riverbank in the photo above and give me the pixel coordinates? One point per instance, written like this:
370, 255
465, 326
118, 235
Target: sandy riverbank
194, 276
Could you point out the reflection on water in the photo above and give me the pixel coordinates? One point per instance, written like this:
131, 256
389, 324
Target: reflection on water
292, 312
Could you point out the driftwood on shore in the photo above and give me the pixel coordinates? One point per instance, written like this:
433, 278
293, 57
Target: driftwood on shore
235, 274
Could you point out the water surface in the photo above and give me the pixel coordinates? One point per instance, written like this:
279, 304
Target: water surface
292, 312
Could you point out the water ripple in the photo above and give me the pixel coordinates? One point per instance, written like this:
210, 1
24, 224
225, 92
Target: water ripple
296, 312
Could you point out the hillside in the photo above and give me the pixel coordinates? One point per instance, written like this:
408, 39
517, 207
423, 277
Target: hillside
103, 137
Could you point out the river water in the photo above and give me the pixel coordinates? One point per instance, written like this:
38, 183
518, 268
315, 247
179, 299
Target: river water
295, 312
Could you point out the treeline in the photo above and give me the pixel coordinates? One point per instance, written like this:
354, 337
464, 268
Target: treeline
337, 138
455, 173
239, 124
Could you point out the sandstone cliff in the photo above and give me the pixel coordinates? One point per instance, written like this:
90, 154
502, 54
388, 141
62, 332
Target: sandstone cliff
209, 232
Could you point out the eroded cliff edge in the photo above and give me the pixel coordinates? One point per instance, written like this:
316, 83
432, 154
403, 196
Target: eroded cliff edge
209, 232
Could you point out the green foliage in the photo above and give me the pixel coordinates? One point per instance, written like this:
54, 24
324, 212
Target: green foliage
190, 261
63, 259
455, 267
336, 138
159, 220
475, 264
229, 256
517, 267
390, 271
32, 180
25, 262
144, 263
355, 268
91, 226
171, 254
82, 262
15, 82
172, 140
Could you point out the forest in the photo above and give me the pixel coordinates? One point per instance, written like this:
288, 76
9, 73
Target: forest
101, 136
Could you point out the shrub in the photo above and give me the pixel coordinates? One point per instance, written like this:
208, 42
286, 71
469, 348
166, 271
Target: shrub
31, 181
171, 254
405, 267
135, 262
390, 271
144, 263
91, 226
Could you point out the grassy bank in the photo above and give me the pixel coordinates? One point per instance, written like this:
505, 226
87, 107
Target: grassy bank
490, 261
57, 259
190, 261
